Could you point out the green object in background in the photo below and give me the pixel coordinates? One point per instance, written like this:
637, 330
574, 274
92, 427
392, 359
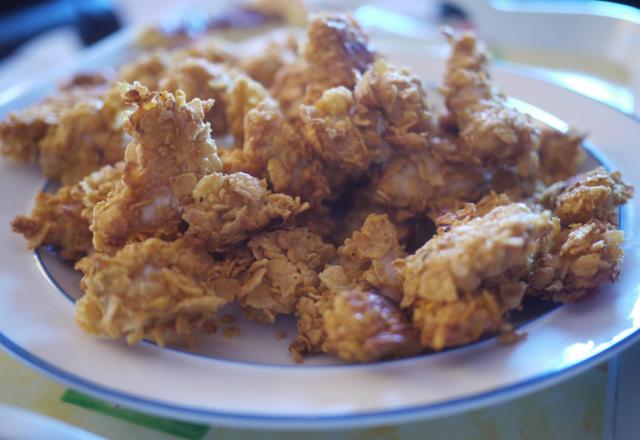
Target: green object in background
191, 431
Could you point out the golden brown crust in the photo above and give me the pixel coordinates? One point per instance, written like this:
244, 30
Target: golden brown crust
286, 268
592, 195
152, 289
489, 130
62, 219
581, 258
362, 326
172, 149
228, 208
70, 135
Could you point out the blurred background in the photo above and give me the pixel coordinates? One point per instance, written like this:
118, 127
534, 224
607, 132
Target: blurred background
587, 46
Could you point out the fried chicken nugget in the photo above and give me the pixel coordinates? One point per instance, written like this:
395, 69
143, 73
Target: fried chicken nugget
367, 256
287, 265
561, 154
228, 208
461, 283
200, 78
274, 147
362, 326
330, 130
245, 95
151, 289
70, 135
423, 183
399, 95
62, 219
581, 258
171, 151
592, 195
337, 51
497, 135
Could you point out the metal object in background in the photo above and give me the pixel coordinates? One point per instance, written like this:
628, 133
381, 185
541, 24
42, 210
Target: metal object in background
20, 22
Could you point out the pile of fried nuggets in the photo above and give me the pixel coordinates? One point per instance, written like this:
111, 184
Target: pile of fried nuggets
340, 196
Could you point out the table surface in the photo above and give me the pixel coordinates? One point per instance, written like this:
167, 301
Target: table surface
573, 409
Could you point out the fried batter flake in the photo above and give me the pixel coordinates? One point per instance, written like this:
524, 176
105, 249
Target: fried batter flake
228, 208
581, 258
592, 195
287, 265
62, 219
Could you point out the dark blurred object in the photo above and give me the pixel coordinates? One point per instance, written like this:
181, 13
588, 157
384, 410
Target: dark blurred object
23, 20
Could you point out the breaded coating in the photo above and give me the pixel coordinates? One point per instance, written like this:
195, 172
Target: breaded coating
229, 207
62, 219
399, 95
592, 195
561, 154
151, 289
486, 255
450, 324
363, 326
199, 78
330, 127
311, 332
264, 66
289, 87
489, 130
581, 258
367, 257
273, 146
171, 151
337, 52
423, 183
287, 265
148, 69
70, 135
244, 95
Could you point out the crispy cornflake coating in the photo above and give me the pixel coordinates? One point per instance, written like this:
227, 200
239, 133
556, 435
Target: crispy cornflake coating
287, 265
245, 95
331, 129
367, 256
70, 135
172, 149
561, 154
486, 255
148, 69
228, 208
62, 219
399, 95
199, 78
363, 326
337, 52
592, 195
492, 132
421, 182
581, 258
264, 66
273, 146
152, 289
289, 86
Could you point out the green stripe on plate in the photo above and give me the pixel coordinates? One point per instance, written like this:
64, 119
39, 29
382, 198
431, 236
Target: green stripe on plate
191, 431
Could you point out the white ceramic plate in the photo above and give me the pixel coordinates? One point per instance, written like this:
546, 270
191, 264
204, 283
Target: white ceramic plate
249, 380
